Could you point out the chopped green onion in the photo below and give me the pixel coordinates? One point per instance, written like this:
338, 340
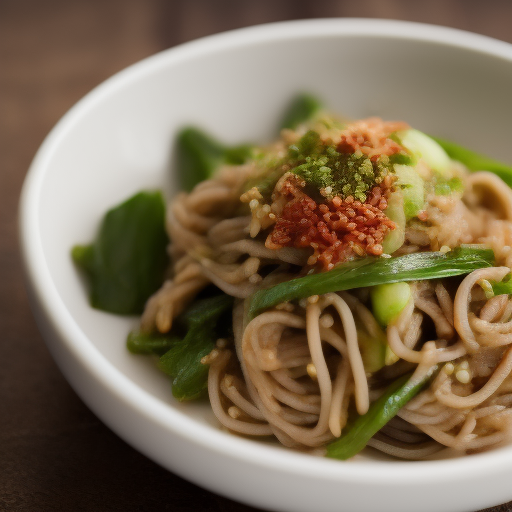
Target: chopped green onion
447, 187
476, 161
380, 412
371, 271
503, 287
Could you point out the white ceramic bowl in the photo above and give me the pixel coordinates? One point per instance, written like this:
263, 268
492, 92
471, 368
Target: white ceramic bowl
118, 139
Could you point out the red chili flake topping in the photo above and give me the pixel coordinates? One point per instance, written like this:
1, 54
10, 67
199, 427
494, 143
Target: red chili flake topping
371, 137
338, 230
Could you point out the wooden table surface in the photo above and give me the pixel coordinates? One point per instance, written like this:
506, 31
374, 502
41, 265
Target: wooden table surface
55, 455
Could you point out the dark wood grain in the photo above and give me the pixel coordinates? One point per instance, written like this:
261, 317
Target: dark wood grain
55, 455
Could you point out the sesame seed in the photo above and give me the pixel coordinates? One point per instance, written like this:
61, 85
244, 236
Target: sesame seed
229, 381
255, 278
208, 359
221, 343
463, 376
449, 368
311, 369
234, 412
326, 321
268, 354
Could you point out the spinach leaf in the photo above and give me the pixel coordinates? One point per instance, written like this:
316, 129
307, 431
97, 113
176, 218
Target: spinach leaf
202, 324
140, 342
303, 108
199, 155
127, 261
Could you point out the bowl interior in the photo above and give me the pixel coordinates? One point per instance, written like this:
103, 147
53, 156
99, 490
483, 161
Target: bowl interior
119, 139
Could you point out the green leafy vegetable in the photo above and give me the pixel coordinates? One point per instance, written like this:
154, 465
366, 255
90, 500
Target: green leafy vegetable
476, 161
447, 187
199, 155
371, 271
401, 159
503, 287
380, 412
139, 342
202, 325
303, 108
373, 349
127, 261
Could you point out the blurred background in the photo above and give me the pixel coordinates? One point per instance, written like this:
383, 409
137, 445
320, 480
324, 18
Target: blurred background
54, 453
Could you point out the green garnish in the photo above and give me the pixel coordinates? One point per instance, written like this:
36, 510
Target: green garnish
371, 271
139, 342
199, 155
401, 159
413, 189
331, 173
388, 300
373, 349
357, 435
195, 332
476, 161
503, 287
447, 187
127, 261
302, 109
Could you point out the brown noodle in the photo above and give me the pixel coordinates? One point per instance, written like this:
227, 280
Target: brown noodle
294, 371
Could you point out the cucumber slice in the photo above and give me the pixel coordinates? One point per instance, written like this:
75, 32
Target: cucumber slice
395, 212
413, 189
422, 146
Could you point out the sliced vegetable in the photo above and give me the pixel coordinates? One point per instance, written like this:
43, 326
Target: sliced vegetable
424, 147
139, 342
202, 325
356, 437
127, 261
373, 350
395, 212
476, 161
388, 300
372, 271
413, 189
503, 287
199, 155
303, 108
447, 187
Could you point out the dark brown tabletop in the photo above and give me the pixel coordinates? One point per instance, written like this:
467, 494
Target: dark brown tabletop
55, 455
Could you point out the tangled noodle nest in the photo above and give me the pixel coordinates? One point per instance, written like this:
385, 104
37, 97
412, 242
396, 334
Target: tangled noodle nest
295, 370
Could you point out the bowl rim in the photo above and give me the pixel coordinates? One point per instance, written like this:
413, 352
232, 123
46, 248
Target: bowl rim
154, 410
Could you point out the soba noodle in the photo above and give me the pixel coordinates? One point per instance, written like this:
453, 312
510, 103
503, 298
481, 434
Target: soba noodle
296, 371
